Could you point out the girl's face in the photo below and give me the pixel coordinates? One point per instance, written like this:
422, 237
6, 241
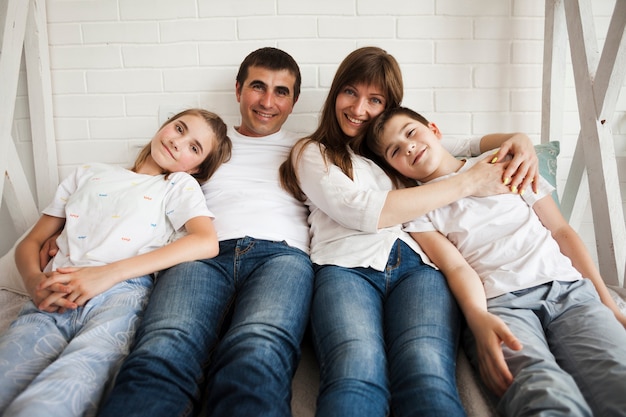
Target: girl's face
410, 147
182, 144
356, 105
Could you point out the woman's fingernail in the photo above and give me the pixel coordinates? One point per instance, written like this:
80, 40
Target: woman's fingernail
514, 188
507, 181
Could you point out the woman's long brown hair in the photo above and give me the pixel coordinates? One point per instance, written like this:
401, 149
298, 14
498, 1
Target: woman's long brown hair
369, 66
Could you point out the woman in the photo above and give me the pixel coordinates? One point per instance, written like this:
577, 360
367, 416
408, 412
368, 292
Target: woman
384, 323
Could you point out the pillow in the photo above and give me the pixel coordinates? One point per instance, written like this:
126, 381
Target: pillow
10, 278
547, 153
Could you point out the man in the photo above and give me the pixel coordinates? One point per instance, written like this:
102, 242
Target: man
259, 286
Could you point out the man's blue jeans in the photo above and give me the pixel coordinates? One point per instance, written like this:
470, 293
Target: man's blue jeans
381, 335
269, 286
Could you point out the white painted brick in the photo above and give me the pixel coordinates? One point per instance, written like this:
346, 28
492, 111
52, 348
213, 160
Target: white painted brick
507, 28
318, 7
395, 7
124, 128
64, 34
213, 8
453, 124
68, 81
435, 27
437, 76
229, 53
285, 27
420, 100
485, 122
157, 9
472, 8
120, 32
80, 10
356, 27
70, 128
477, 52
160, 56
529, 8
86, 151
526, 100
508, 76
148, 104
198, 79
527, 52
75, 57
88, 105
320, 52
124, 81
405, 51
198, 30
472, 100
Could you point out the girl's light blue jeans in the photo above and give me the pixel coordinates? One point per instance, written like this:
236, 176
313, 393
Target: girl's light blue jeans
266, 287
384, 337
573, 361
58, 364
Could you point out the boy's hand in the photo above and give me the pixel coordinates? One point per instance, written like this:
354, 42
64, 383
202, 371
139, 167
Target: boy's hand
490, 332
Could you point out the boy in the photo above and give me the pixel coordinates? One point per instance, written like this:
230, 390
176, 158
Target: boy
523, 279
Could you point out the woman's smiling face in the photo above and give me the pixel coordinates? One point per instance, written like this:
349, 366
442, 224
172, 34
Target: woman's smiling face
356, 105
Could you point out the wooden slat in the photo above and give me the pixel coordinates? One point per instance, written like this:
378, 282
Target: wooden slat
553, 87
10, 57
592, 79
40, 103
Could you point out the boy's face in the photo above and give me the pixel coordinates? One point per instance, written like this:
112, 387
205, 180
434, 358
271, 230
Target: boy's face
412, 148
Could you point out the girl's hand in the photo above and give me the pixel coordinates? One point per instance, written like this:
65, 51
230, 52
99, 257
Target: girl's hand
79, 284
49, 299
490, 332
523, 169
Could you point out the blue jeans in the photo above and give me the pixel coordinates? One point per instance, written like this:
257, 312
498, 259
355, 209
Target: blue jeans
382, 336
573, 362
58, 364
267, 287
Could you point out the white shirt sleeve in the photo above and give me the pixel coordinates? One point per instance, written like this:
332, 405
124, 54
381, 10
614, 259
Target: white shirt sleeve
462, 146
353, 204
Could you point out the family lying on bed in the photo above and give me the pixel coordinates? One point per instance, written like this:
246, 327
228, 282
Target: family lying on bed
339, 235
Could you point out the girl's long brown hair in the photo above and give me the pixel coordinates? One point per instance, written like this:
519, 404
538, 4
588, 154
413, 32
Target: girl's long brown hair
218, 155
370, 66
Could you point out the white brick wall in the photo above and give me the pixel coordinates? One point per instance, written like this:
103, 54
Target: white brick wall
119, 66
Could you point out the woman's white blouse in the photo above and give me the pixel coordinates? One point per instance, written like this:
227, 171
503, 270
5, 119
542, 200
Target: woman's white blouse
344, 213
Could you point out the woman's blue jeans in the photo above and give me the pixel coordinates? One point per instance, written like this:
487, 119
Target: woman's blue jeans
267, 287
382, 336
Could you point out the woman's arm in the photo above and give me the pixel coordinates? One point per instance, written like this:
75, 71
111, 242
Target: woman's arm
82, 284
406, 204
573, 247
489, 330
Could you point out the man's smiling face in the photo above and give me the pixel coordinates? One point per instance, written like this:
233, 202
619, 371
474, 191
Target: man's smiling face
266, 99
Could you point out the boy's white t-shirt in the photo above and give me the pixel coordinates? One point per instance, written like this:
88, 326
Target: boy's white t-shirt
112, 213
502, 238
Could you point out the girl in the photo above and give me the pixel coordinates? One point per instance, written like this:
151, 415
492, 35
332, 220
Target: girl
56, 357
379, 312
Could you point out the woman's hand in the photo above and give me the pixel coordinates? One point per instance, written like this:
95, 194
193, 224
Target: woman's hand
523, 169
485, 178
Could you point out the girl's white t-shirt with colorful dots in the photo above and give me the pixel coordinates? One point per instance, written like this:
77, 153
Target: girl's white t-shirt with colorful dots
113, 213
